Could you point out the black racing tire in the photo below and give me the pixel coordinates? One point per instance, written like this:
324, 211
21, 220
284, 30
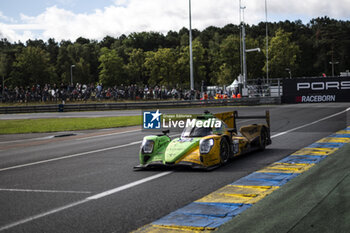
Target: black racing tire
263, 139
224, 151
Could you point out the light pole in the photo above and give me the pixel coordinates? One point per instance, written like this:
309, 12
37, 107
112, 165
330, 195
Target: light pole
290, 72
333, 63
240, 35
253, 50
191, 56
3, 88
71, 74
243, 53
267, 45
244, 57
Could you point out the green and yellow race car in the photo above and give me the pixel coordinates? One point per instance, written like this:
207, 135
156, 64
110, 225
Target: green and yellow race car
205, 147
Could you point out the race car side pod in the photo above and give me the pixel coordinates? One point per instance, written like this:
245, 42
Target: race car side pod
165, 133
266, 117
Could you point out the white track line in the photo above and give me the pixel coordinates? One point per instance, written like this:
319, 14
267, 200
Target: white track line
69, 156
311, 123
78, 139
133, 184
28, 139
105, 135
25, 220
127, 186
73, 155
43, 191
91, 198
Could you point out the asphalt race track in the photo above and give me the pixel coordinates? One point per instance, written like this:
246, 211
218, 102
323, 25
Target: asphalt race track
85, 182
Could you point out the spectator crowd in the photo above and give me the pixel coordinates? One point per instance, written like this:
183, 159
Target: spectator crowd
84, 92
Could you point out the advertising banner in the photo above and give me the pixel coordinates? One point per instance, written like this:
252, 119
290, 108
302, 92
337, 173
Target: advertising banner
316, 90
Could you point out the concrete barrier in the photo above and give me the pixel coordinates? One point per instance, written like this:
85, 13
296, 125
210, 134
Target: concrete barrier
139, 105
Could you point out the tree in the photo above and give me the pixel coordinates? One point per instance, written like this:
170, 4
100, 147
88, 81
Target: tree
3, 70
255, 60
172, 40
135, 68
183, 63
208, 34
9, 52
64, 62
282, 53
107, 42
160, 67
224, 75
229, 67
85, 59
214, 60
36, 43
82, 71
331, 42
147, 41
52, 48
153, 58
32, 66
111, 68
82, 40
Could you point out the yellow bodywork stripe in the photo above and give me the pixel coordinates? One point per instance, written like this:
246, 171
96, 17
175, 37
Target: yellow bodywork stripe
286, 168
315, 151
238, 194
192, 156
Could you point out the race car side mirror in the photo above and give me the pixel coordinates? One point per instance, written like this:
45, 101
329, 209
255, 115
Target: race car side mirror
165, 132
232, 131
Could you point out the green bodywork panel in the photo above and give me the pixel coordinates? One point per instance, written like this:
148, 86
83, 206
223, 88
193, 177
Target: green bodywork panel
167, 151
160, 144
178, 147
171, 151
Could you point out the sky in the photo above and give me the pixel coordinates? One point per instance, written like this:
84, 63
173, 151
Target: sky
21, 20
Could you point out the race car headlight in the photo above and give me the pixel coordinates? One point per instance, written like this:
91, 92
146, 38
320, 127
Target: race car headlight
147, 146
206, 145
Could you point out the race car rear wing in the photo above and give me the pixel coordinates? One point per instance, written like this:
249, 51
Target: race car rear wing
230, 118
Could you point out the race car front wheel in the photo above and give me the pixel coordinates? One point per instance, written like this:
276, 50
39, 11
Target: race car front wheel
224, 151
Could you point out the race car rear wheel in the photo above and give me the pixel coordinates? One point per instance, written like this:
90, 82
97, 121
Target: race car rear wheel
224, 151
263, 139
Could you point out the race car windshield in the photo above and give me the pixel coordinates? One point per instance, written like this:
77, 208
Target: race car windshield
196, 132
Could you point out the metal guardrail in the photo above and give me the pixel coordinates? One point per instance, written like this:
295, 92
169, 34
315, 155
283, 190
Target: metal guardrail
139, 105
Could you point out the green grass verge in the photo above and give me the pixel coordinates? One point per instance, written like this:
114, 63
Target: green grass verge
65, 124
